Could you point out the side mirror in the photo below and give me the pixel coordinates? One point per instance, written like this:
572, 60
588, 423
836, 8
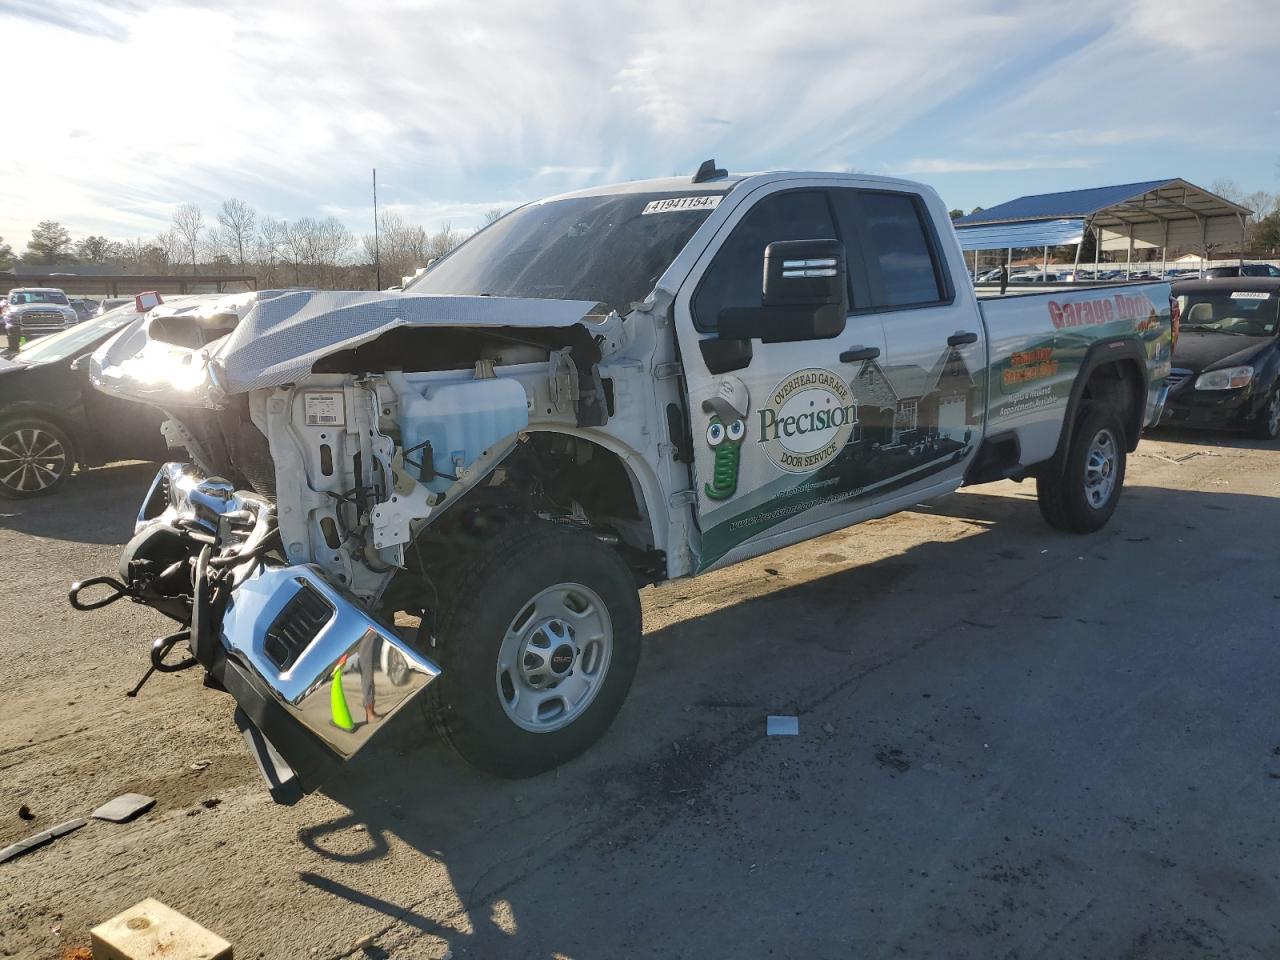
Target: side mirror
805, 295
805, 273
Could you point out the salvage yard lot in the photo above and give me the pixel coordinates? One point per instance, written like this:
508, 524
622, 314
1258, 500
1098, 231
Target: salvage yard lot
1013, 743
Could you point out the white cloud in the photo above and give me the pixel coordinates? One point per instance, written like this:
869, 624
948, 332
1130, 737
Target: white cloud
986, 166
289, 105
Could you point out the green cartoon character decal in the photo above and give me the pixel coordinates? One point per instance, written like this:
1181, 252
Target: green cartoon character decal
726, 443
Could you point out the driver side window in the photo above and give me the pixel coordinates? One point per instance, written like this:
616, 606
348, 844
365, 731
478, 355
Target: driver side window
736, 275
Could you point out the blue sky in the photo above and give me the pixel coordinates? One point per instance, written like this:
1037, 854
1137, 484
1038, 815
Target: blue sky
120, 110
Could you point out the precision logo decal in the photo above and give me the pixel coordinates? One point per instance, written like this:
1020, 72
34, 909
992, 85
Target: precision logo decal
807, 419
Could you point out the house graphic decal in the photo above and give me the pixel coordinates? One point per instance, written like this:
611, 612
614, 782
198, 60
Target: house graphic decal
905, 405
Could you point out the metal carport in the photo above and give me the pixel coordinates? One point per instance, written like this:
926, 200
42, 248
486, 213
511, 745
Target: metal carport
1155, 213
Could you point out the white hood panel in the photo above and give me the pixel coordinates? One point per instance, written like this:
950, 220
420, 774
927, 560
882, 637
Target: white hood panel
283, 333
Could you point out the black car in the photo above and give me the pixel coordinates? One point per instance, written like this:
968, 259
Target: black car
84, 307
1248, 270
1227, 357
51, 418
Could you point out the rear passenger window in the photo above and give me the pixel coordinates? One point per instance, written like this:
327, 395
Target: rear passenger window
736, 275
897, 245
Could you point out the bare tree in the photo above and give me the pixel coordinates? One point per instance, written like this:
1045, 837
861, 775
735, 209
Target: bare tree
296, 244
236, 219
213, 249
442, 241
266, 250
491, 216
330, 246
1227, 188
165, 248
188, 223
1261, 202
402, 247
97, 249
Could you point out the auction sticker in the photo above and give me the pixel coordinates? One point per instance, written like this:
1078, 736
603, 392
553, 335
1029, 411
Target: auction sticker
677, 204
324, 409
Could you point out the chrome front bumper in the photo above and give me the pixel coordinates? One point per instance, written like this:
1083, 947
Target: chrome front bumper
306, 662
335, 669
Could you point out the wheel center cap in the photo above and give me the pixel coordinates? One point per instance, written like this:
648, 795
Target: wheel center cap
561, 658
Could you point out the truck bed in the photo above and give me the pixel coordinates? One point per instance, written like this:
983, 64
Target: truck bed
1038, 340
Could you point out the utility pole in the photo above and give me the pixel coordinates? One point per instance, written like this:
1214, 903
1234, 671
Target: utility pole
377, 252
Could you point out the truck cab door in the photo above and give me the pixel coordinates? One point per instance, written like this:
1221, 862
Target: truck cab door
776, 432
921, 403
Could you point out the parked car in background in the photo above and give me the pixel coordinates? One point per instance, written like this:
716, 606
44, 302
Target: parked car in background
1226, 361
1248, 270
84, 307
36, 311
110, 303
52, 419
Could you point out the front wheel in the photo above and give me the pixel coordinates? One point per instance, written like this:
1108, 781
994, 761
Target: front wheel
35, 457
1081, 495
539, 641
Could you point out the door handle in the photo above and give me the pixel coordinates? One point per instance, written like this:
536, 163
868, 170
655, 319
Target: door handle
960, 339
854, 354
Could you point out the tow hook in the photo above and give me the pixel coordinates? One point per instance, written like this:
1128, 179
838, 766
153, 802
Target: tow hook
160, 648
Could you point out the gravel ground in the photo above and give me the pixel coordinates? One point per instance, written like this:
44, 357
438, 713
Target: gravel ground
1013, 743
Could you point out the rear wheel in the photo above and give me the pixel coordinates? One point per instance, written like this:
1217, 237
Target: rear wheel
35, 457
1267, 424
539, 642
1081, 495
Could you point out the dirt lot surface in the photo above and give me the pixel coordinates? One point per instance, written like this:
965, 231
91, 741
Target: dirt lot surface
1013, 743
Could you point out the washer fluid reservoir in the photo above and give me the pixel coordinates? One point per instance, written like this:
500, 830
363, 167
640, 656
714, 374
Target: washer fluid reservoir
461, 419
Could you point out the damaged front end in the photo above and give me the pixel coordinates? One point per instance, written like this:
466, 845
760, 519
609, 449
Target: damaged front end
326, 431
314, 675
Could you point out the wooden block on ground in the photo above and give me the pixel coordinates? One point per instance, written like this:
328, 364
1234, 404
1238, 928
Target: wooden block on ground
151, 931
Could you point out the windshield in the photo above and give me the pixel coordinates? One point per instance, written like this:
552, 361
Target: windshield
59, 346
37, 296
1253, 313
608, 249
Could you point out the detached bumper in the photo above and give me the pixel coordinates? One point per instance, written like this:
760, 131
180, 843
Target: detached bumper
314, 676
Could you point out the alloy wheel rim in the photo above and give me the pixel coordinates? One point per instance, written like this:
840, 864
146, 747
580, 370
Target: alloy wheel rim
31, 459
554, 657
1101, 465
1273, 413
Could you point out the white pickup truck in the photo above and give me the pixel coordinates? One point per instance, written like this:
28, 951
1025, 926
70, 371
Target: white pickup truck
464, 483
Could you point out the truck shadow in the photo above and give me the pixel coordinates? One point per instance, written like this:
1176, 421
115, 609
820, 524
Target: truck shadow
815, 626
93, 506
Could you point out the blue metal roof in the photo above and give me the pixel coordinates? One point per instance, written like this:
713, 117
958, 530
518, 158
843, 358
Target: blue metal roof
1069, 203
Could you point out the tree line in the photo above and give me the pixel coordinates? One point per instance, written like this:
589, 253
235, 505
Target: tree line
236, 240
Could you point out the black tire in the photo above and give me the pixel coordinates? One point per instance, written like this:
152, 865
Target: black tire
397, 668
498, 586
36, 457
1069, 496
1266, 425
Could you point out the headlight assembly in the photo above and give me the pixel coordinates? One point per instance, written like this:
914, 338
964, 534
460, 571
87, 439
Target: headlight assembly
1228, 378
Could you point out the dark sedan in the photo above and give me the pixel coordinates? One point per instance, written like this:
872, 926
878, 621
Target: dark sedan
51, 418
1247, 270
1227, 359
